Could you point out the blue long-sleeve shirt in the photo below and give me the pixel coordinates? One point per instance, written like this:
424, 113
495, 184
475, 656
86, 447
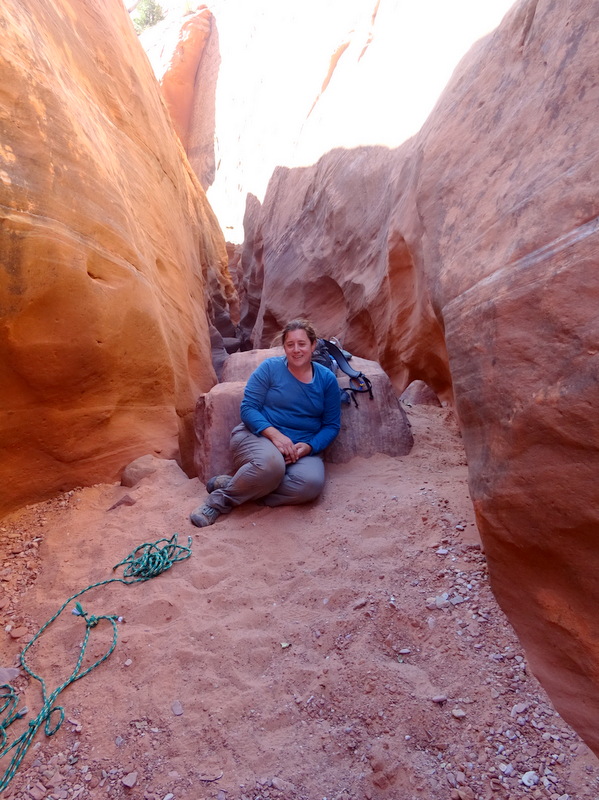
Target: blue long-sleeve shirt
306, 412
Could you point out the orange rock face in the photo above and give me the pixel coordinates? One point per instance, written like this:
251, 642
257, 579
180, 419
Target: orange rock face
107, 244
467, 259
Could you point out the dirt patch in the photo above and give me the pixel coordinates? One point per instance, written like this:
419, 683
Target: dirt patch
347, 649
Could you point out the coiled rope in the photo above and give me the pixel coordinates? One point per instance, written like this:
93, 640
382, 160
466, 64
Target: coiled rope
145, 562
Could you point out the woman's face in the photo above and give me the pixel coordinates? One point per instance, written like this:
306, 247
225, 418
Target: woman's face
298, 348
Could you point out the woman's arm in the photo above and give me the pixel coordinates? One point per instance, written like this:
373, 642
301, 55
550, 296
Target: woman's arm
331, 418
254, 396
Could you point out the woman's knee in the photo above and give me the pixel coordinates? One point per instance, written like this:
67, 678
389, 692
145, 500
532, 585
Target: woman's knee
308, 480
312, 487
271, 464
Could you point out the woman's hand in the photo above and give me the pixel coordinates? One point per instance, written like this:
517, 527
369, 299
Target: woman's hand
290, 452
283, 444
302, 449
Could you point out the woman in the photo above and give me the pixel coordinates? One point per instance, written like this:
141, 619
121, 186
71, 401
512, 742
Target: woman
290, 413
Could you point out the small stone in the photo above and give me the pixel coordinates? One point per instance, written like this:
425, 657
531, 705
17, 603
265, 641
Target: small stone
16, 633
129, 780
458, 713
282, 785
8, 674
457, 599
126, 500
530, 778
37, 792
177, 708
128, 662
169, 796
439, 698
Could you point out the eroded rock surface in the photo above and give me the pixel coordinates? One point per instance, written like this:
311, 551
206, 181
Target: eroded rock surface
467, 259
108, 245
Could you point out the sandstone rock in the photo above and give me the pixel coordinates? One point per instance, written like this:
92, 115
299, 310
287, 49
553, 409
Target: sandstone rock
18, 633
419, 394
109, 251
8, 674
376, 426
357, 278
217, 413
129, 780
147, 465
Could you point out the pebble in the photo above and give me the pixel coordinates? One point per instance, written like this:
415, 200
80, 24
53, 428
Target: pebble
439, 698
16, 633
458, 713
530, 778
8, 674
129, 780
177, 708
37, 792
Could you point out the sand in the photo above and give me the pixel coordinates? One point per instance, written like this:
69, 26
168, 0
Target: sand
347, 649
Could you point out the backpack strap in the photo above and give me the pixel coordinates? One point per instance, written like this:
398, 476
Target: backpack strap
341, 360
358, 382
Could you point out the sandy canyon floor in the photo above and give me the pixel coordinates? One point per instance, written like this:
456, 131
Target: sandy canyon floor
350, 649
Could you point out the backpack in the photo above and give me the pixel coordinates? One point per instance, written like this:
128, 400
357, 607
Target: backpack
330, 355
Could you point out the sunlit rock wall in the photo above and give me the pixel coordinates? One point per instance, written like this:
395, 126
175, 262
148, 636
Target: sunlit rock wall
106, 246
472, 252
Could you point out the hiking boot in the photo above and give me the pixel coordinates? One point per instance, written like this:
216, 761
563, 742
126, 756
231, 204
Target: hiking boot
218, 482
204, 516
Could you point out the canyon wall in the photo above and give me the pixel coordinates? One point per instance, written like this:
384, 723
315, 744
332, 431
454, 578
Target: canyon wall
109, 253
467, 258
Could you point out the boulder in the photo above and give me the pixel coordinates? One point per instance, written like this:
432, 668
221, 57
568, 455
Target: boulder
148, 465
419, 394
379, 425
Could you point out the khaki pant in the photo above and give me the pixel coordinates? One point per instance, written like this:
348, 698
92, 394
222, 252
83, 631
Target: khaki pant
261, 472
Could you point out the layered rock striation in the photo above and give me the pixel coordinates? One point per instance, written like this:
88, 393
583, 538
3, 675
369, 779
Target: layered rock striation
107, 246
467, 258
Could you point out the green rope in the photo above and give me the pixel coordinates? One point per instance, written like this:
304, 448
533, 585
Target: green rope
145, 562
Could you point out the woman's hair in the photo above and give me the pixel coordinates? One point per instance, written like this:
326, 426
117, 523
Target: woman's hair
297, 325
